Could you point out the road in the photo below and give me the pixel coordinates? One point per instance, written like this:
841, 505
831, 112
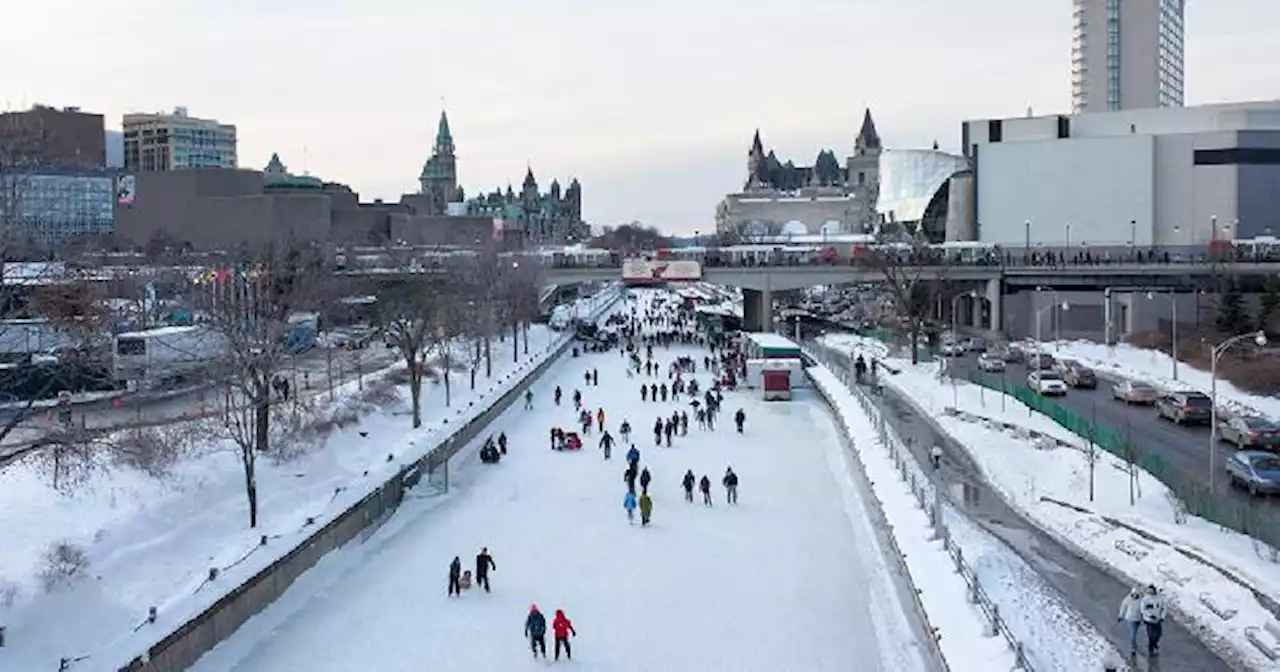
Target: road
1093, 593
1185, 449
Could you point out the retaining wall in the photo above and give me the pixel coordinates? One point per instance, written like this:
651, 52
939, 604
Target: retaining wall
183, 647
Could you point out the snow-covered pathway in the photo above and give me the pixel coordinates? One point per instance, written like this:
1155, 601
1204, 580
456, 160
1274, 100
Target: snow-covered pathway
782, 581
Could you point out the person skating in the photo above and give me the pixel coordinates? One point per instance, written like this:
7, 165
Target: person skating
653, 392
562, 628
684, 423
558, 393
455, 573
646, 509
484, 563
595, 377
739, 419
502, 443
629, 477
606, 444
935, 457
644, 393
657, 432
730, 482
663, 391
629, 503
633, 456
688, 482
644, 480
704, 485
625, 431
600, 417
587, 377
528, 400
535, 628
577, 400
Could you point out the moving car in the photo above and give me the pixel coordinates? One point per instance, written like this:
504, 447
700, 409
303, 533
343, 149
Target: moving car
952, 349
1081, 376
974, 344
1040, 360
1185, 408
1249, 432
1010, 354
991, 363
1047, 383
1254, 470
1135, 392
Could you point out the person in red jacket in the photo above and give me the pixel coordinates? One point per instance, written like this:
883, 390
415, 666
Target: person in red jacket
562, 627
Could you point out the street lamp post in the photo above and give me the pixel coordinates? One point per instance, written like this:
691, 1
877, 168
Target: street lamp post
1133, 233
1260, 338
1040, 313
1068, 245
1027, 250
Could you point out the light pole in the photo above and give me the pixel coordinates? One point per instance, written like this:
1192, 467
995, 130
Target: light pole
1173, 310
1027, 250
1213, 228
1040, 313
1260, 338
1068, 245
1133, 233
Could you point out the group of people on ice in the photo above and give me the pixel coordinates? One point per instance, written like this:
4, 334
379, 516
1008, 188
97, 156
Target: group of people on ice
535, 628
460, 580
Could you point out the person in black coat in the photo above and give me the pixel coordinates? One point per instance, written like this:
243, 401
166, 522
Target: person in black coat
644, 481
730, 482
535, 628
704, 485
689, 480
740, 418
455, 573
484, 563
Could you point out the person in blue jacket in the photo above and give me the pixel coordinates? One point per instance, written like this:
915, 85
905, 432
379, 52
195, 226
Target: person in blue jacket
535, 628
629, 503
633, 455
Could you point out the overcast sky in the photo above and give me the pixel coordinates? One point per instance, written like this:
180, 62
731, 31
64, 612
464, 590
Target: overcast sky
650, 104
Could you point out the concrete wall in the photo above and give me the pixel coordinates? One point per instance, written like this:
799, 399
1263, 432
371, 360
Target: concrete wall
1086, 318
184, 646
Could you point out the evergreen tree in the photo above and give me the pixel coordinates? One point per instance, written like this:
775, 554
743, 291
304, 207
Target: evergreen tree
1231, 317
1268, 303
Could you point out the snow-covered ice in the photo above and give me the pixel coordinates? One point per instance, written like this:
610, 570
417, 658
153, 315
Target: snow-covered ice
789, 579
1031, 478
151, 543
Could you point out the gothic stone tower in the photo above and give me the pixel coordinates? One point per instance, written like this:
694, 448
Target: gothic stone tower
864, 174
439, 178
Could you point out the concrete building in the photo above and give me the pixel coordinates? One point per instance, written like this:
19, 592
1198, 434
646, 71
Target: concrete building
52, 137
177, 141
1127, 54
1152, 177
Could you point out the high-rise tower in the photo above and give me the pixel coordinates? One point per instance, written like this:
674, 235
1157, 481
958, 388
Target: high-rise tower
1127, 54
439, 177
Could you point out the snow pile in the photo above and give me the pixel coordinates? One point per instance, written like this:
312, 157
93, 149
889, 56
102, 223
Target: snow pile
959, 625
1209, 574
1155, 367
152, 543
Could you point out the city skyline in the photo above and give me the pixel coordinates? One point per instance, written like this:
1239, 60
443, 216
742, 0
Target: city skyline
653, 111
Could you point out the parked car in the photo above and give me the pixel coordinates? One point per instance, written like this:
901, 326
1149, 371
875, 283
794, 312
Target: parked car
952, 349
1250, 432
1047, 383
1081, 376
1254, 470
1185, 408
1011, 354
975, 345
990, 363
1135, 392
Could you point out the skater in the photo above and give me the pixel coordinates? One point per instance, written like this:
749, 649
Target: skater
577, 400
739, 419
633, 456
484, 563
625, 431
644, 393
455, 573
935, 457
668, 428
688, 482
730, 482
859, 369
502, 443
562, 627
629, 503
1131, 615
1153, 616
653, 392
595, 377
600, 417
644, 481
528, 400
657, 432
558, 395
646, 509
684, 423
606, 444
704, 485
663, 391
535, 628
587, 378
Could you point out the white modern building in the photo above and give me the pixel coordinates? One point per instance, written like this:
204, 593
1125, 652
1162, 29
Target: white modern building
1127, 54
1171, 176
177, 141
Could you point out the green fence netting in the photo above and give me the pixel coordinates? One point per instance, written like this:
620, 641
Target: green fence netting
1248, 516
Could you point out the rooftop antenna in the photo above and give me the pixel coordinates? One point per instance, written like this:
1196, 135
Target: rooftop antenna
304, 161
1029, 114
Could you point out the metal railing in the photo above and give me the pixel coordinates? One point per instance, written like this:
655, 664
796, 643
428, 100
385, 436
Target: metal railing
928, 496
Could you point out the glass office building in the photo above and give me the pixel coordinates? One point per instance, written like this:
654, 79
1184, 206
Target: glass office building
52, 208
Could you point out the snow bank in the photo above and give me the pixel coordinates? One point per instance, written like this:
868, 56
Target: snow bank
152, 544
1209, 574
944, 596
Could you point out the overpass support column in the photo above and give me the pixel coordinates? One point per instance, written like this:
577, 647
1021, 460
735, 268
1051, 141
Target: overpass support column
757, 310
995, 304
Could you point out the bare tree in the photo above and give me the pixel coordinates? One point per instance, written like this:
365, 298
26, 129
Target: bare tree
406, 317
907, 270
445, 328
250, 313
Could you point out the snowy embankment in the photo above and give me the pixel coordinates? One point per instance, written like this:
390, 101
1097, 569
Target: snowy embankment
156, 543
1155, 367
1209, 574
957, 623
